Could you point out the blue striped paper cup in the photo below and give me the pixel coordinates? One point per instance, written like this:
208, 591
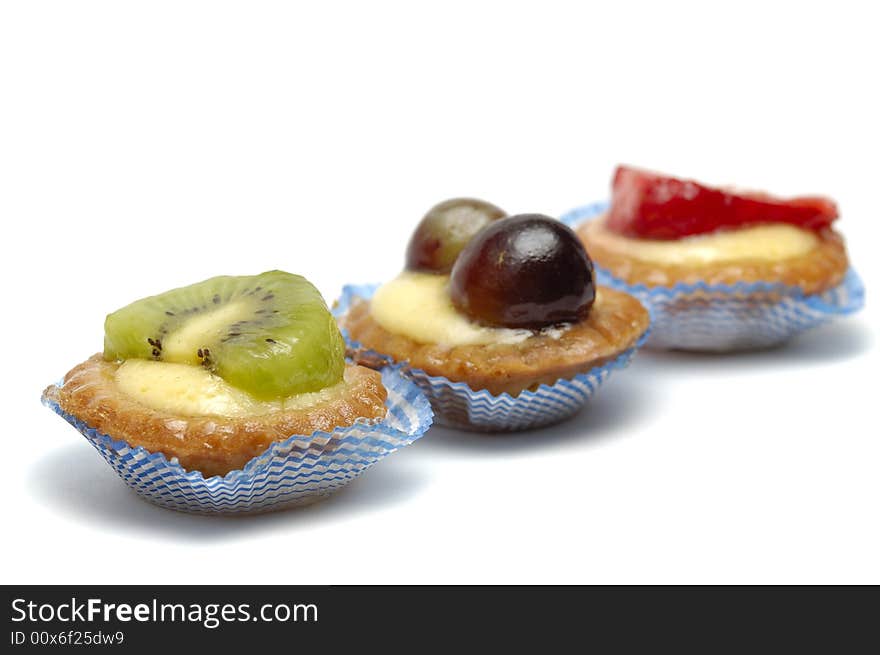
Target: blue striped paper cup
297, 471
457, 405
720, 317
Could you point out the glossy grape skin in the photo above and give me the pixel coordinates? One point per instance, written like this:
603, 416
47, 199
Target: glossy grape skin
527, 271
445, 230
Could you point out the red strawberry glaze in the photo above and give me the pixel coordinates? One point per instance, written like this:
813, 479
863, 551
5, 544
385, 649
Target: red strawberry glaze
647, 205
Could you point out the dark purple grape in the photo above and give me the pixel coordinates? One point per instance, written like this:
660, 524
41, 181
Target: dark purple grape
527, 271
445, 230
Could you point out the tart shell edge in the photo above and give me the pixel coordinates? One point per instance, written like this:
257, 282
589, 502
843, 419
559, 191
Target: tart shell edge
823, 268
614, 325
213, 445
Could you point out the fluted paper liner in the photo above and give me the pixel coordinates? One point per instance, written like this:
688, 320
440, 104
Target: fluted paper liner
456, 405
720, 317
297, 471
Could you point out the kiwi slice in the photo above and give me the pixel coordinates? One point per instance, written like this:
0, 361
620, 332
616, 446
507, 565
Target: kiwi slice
269, 334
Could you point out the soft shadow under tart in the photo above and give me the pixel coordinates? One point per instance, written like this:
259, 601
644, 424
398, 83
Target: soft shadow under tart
214, 445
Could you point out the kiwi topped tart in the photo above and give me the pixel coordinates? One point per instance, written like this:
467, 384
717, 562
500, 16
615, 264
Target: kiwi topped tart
270, 334
516, 308
212, 374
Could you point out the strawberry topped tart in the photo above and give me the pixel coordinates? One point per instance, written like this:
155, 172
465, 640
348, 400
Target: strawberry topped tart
721, 269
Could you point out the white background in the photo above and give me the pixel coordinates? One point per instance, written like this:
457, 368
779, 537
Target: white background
145, 146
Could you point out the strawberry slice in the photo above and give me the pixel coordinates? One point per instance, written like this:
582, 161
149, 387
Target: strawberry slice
647, 205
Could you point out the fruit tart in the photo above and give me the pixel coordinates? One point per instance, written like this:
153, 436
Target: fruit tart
497, 318
719, 269
233, 395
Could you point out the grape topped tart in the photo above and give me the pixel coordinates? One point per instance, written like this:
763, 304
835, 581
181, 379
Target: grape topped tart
501, 303
214, 373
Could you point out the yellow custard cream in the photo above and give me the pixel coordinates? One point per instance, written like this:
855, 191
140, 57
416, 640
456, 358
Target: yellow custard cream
188, 390
417, 305
761, 242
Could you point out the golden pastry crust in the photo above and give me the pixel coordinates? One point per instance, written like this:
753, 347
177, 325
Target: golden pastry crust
614, 324
213, 445
819, 270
